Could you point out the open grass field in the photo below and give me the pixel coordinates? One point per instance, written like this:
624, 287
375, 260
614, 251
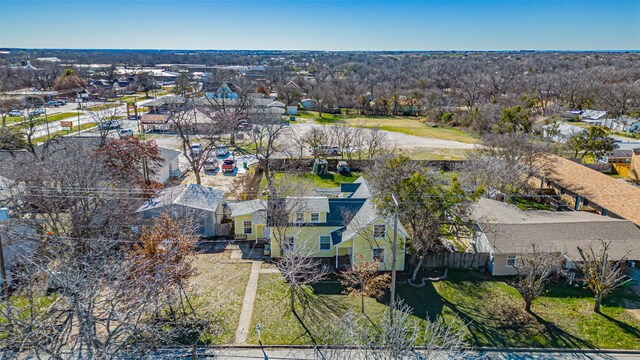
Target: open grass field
61, 116
102, 107
49, 118
435, 154
492, 313
220, 286
406, 125
414, 127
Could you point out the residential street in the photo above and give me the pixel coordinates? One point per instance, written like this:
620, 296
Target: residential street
311, 354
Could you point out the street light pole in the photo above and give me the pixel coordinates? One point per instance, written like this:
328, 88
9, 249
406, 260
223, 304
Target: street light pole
392, 302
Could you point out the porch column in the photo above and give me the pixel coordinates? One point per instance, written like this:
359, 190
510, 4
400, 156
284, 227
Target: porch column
336, 257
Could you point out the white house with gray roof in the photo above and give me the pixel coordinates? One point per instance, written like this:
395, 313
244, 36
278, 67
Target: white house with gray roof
506, 233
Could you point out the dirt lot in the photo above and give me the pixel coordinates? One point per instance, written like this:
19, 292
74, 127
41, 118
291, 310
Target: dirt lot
232, 184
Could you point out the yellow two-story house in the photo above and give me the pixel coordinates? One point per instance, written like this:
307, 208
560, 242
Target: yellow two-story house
343, 228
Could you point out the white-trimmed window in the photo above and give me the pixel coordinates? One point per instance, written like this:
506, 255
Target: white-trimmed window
247, 227
512, 260
325, 242
379, 231
315, 217
299, 218
289, 244
378, 254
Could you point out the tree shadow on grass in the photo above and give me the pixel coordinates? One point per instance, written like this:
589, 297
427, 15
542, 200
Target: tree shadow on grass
623, 326
314, 312
560, 338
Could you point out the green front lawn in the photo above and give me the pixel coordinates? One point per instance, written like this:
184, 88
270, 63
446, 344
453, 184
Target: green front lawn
491, 310
312, 181
220, 286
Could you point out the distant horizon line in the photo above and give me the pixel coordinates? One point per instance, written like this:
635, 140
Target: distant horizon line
316, 50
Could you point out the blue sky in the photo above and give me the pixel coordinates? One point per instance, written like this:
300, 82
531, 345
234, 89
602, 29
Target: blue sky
322, 25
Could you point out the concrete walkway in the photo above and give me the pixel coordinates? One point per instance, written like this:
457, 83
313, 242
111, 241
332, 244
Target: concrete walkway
270, 271
242, 332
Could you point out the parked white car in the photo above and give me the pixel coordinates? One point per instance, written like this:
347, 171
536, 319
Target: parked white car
222, 150
211, 164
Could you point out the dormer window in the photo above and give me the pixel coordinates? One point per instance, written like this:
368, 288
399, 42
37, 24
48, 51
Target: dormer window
315, 217
299, 218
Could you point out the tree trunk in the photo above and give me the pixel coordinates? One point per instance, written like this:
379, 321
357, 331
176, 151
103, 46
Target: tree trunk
292, 301
197, 174
414, 272
362, 303
527, 305
596, 305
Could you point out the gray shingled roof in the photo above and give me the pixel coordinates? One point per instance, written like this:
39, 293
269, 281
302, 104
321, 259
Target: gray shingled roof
191, 195
510, 230
247, 207
364, 190
310, 204
565, 238
327, 192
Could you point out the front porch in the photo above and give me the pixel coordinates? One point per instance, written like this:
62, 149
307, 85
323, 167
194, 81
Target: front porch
344, 256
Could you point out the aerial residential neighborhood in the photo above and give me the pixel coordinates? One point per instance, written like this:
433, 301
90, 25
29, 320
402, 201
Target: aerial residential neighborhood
320, 180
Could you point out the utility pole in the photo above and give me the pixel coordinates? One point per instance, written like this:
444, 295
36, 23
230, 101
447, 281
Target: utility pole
392, 302
5, 280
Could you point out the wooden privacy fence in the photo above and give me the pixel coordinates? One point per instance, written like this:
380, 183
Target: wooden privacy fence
223, 230
466, 261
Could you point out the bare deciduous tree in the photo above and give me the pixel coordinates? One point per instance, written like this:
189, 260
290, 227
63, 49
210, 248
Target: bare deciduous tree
105, 302
106, 118
602, 274
534, 270
191, 131
266, 138
506, 163
399, 339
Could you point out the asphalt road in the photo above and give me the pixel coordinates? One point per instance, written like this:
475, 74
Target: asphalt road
310, 354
